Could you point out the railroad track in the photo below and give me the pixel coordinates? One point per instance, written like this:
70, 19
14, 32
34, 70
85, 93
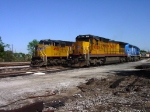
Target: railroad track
32, 71
6, 64
27, 70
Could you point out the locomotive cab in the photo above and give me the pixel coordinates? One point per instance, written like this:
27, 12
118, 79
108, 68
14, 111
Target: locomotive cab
133, 52
81, 46
51, 52
81, 50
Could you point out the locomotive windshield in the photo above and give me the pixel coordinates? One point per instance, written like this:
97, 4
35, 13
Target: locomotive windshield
82, 39
45, 42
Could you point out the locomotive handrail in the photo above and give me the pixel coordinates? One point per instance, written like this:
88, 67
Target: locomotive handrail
43, 55
70, 49
84, 51
88, 52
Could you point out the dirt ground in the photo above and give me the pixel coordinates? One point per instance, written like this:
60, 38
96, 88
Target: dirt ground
124, 91
117, 87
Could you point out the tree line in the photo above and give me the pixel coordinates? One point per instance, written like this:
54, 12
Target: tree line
10, 56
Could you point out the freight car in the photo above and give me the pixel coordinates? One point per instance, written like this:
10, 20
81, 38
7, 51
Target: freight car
51, 52
94, 50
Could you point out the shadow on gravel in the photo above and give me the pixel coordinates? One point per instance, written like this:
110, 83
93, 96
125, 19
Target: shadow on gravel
144, 66
138, 73
35, 107
141, 71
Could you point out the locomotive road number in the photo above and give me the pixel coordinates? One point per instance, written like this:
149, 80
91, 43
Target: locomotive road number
56, 54
56, 49
96, 47
104, 46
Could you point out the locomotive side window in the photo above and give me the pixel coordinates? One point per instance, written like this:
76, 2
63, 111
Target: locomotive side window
46, 43
91, 41
130, 46
62, 45
57, 44
100, 39
96, 42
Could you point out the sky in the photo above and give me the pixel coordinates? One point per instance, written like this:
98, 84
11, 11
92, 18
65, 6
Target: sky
21, 21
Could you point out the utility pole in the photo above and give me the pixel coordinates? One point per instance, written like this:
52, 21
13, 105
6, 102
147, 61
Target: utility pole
12, 48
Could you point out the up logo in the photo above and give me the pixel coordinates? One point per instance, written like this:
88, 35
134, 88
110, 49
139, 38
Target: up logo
96, 47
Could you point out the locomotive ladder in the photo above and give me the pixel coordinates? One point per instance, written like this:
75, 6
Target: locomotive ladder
68, 52
84, 49
44, 56
86, 54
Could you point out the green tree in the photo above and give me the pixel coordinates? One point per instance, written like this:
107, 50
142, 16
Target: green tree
2, 47
31, 47
27, 57
8, 56
142, 51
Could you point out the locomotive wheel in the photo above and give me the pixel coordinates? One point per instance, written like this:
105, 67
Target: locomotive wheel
93, 62
99, 62
103, 61
121, 60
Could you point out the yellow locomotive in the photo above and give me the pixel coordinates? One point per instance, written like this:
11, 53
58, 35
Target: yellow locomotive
94, 50
51, 52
